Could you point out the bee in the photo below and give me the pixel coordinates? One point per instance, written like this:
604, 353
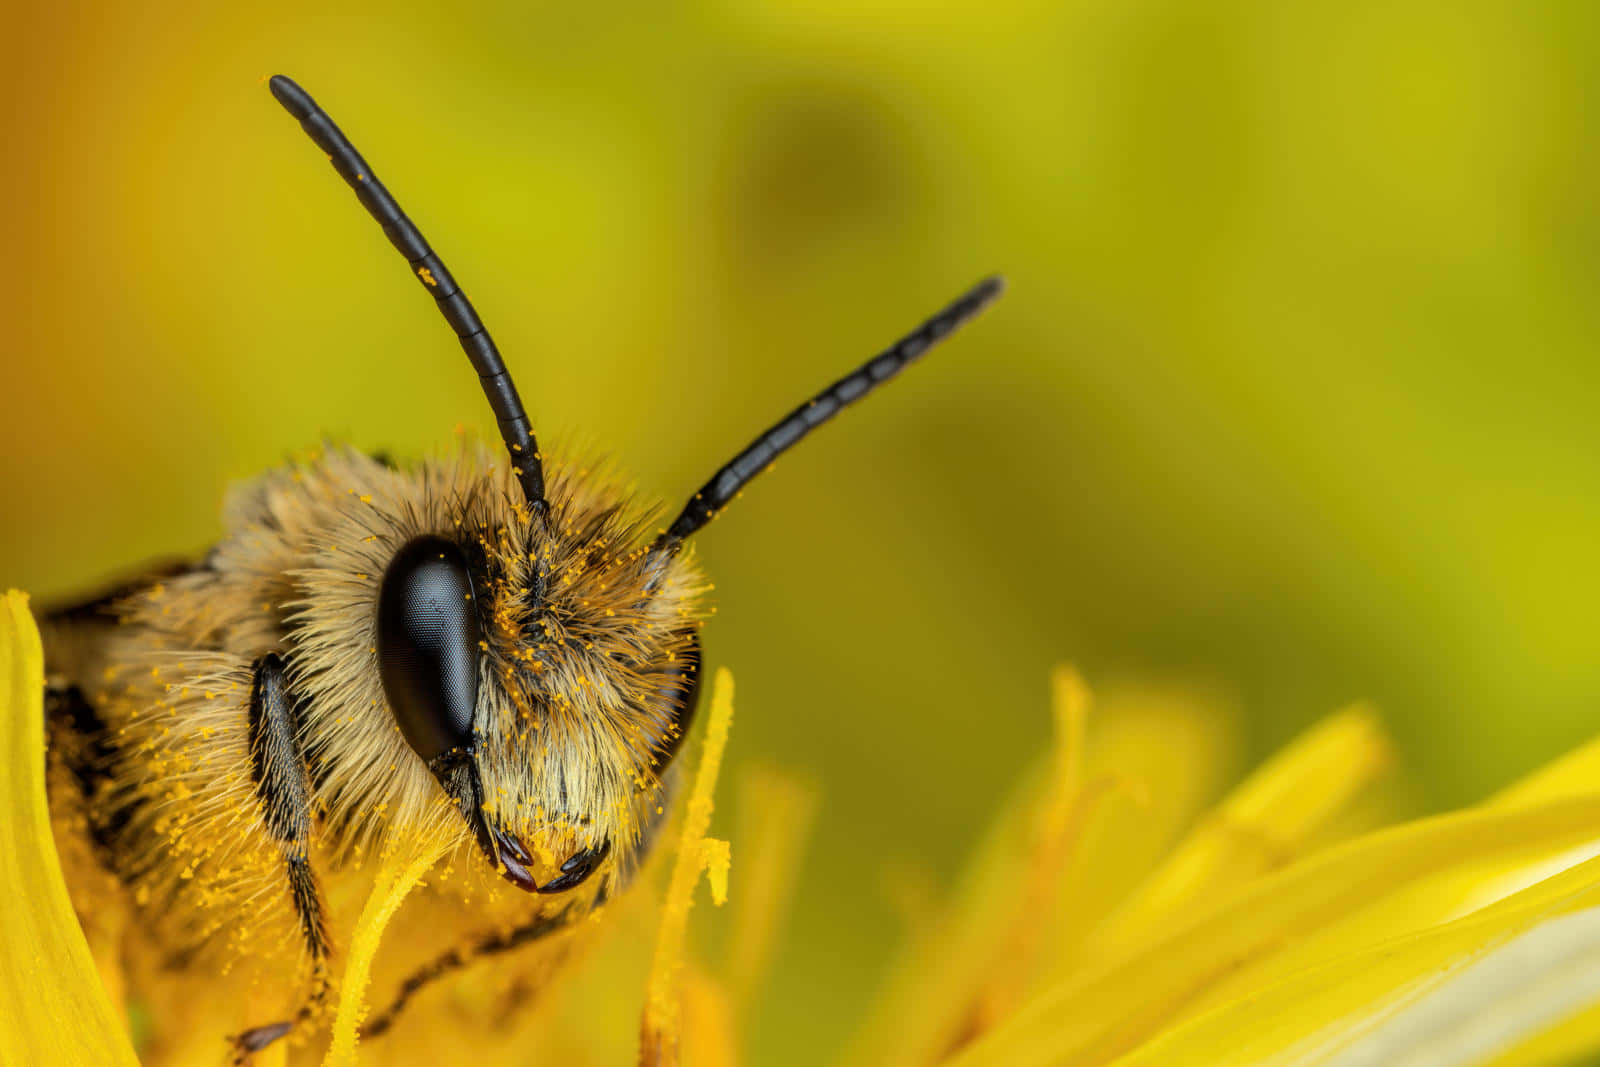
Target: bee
499, 659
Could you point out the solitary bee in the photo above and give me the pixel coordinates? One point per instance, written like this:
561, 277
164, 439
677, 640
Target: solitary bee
494, 658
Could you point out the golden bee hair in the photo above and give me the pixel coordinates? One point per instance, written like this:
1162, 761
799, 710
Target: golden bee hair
496, 660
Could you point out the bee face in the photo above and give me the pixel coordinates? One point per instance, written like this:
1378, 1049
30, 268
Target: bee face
526, 677
591, 657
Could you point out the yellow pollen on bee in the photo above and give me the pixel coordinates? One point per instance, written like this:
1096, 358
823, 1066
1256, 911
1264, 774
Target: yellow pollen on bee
427, 276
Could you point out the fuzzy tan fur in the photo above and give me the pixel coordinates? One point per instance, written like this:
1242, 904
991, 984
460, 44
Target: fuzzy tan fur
568, 716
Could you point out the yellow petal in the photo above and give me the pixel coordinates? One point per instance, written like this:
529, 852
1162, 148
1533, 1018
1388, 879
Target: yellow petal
1107, 1011
1119, 791
1453, 993
1574, 774
1481, 1008
1569, 1041
1169, 751
1265, 822
56, 1010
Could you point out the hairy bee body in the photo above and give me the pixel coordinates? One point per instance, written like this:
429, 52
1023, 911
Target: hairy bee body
583, 678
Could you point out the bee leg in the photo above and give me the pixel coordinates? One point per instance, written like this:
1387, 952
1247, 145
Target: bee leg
283, 787
456, 959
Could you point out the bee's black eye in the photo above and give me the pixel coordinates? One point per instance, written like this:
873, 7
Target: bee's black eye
428, 645
677, 699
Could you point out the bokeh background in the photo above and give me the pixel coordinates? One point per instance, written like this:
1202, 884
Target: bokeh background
1294, 394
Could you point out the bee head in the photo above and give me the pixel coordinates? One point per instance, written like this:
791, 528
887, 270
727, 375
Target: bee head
545, 670
542, 659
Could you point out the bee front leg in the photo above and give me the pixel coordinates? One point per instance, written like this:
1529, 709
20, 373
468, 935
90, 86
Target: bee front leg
283, 788
458, 958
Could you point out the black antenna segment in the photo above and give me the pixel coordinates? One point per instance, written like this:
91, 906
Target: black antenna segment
435, 278
715, 494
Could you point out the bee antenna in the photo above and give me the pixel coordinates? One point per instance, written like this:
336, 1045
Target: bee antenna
430, 270
759, 454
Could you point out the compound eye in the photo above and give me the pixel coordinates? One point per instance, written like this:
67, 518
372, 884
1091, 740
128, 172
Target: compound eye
676, 700
428, 645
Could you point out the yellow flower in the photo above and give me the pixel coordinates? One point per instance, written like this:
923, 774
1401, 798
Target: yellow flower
1111, 916
1281, 927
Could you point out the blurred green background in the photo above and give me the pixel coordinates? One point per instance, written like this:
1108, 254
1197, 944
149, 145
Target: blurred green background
1294, 391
